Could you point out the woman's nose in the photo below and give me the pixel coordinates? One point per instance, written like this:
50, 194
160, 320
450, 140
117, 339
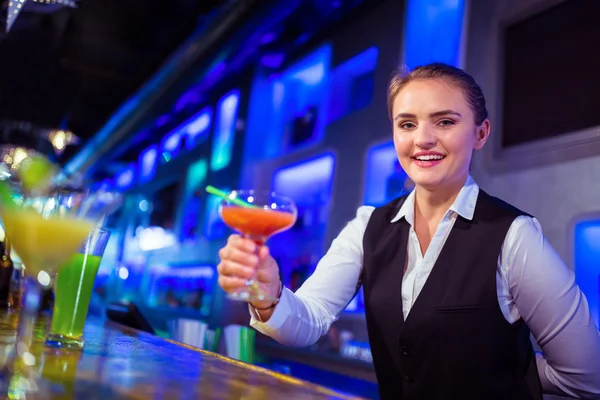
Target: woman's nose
425, 137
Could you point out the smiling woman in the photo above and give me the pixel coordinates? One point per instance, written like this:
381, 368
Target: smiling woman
476, 275
434, 123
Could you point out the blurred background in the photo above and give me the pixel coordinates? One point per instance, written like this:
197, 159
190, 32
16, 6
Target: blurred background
157, 99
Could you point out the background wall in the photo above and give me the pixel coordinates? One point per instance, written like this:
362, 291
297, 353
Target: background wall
351, 136
560, 193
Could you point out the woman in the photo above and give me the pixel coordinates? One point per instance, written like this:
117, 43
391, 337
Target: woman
454, 279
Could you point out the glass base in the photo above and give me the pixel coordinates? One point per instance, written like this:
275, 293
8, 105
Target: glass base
59, 341
251, 293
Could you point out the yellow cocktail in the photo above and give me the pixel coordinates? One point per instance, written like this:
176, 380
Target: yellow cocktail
44, 243
45, 231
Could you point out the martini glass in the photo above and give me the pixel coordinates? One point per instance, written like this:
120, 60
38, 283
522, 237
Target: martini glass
256, 216
45, 232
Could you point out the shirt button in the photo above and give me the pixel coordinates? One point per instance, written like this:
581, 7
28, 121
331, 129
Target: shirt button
409, 379
404, 351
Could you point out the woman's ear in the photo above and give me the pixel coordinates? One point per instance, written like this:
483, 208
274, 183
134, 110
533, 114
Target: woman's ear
482, 134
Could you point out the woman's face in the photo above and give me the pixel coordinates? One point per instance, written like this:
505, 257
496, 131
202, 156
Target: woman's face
435, 133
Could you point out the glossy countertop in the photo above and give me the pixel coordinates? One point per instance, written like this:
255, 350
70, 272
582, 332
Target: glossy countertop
122, 363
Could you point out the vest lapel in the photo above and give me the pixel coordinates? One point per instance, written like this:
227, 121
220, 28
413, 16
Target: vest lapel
435, 285
388, 263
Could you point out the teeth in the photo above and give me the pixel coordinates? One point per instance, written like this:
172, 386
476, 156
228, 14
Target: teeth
429, 158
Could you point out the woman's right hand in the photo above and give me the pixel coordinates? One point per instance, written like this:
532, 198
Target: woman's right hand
240, 261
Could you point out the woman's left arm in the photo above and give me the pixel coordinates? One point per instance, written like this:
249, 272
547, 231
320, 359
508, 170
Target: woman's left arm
555, 310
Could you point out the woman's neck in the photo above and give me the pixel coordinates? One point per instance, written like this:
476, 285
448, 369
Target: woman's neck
432, 204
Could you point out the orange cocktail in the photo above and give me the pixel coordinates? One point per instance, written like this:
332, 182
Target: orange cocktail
257, 223
257, 216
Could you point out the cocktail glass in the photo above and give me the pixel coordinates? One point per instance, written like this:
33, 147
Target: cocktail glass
257, 216
73, 288
45, 232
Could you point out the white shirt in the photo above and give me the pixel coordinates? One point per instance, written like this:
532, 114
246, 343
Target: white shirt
532, 282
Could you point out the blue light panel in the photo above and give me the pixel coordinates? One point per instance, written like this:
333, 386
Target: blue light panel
305, 181
126, 178
343, 77
433, 32
106, 185
309, 184
170, 145
587, 268
277, 99
381, 174
225, 130
214, 228
197, 127
147, 164
192, 207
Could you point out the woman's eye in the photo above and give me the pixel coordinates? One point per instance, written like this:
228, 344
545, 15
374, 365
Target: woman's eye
407, 125
446, 122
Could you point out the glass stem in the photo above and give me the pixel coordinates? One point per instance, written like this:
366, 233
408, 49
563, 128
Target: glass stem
259, 241
22, 362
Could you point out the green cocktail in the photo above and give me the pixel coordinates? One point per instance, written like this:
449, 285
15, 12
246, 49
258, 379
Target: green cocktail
74, 285
73, 292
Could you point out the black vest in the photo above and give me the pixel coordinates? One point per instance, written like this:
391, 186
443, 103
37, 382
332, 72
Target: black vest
455, 342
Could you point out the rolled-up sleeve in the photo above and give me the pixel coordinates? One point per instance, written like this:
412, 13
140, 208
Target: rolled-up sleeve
301, 318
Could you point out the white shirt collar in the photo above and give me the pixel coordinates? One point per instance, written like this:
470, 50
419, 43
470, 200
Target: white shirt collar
464, 204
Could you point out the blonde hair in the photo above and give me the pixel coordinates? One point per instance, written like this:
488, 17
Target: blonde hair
445, 72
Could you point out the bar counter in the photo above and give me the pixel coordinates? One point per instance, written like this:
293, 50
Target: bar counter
121, 363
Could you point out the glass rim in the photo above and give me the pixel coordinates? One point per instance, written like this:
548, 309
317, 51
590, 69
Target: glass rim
251, 192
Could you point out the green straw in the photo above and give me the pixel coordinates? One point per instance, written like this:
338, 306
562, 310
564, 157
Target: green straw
225, 196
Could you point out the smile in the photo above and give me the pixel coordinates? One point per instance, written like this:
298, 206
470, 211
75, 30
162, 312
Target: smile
430, 157
428, 160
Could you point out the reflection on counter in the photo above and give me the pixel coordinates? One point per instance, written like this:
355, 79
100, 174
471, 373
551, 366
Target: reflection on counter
341, 359
122, 363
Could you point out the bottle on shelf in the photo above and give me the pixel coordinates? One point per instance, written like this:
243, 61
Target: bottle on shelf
6, 276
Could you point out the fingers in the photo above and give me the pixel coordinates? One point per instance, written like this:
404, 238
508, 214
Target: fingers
239, 262
231, 283
263, 253
230, 253
232, 268
240, 250
241, 243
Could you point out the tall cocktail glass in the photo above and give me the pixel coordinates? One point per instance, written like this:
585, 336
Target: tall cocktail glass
257, 216
73, 288
45, 232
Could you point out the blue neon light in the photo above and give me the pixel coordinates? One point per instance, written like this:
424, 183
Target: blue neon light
309, 184
214, 228
276, 100
170, 144
344, 79
147, 163
225, 130
197, 127
433, 32
126, 178
384, 177
587, 269
192, 200
105, 185
307, 180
